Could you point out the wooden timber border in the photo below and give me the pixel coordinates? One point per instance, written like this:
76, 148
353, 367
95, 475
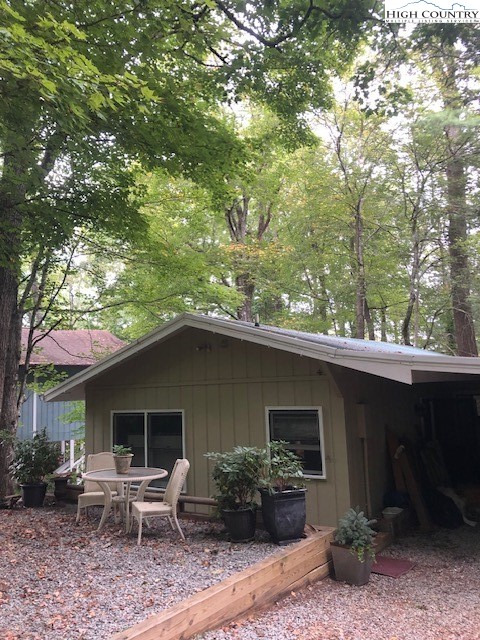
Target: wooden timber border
291, 568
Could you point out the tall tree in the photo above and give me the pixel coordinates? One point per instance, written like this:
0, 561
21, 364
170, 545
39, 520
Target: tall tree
254, 203
134, 81
446, 57
451, 52
178, 266
360, 150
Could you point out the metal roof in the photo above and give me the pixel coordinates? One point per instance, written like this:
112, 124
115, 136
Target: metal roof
349, 344
394, 362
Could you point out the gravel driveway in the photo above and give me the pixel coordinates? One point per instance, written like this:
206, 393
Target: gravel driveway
59, 581
439, 599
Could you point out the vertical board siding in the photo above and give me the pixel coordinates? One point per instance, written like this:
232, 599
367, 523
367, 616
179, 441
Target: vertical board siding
387, 403
243, 363
226, 359
25, 426
226, 426
283, 363
256, 415
222, 408
240, 414
303, 395
214, 441
186, 403
199, 433
48, 415
286, 394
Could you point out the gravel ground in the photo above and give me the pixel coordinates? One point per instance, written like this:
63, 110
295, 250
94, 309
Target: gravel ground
62, 581
439, 599
59, 581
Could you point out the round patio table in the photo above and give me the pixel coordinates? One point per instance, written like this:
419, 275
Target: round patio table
144, 475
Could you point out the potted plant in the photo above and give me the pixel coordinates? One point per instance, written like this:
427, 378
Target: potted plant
34, 460
61, 481
122, 457
283, 493
236, 474
353, 549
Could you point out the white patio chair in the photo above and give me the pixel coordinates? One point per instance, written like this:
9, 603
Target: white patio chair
166, 508
93, 495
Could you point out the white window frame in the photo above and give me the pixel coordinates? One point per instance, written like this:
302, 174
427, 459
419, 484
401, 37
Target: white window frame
145, 413
310, 476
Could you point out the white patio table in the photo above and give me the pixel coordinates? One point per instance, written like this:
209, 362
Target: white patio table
144, 475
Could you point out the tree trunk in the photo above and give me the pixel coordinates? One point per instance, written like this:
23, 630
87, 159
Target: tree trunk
457, 238
360, 287
245, 286
12, 196
369, 321
450, 75
10, 343
237, 221
413, 293
383, 324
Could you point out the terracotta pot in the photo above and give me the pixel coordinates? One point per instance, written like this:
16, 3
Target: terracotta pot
122, 463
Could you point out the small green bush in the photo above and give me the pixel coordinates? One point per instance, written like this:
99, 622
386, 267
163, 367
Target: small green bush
282, 469
354, 531
236, 474
35, 459
120, 450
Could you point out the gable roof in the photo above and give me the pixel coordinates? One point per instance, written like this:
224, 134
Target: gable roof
395, 362
79, 347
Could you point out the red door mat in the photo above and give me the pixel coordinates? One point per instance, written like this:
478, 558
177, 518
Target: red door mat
393, 567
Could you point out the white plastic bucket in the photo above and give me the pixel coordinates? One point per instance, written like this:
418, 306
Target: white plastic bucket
391, 512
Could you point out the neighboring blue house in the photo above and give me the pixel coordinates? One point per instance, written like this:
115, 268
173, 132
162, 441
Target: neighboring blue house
67, 352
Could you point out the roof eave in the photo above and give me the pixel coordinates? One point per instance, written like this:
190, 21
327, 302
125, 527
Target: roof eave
394, 366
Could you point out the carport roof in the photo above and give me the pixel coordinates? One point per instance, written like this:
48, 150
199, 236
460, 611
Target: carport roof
395, 362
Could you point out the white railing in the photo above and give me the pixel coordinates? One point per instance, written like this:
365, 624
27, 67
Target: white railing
71, 464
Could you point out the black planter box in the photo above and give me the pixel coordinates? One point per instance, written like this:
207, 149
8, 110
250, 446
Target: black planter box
284, 514
240, 523
33, 495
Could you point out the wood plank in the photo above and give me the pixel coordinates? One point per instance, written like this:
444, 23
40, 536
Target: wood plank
230, 602
415, 494
402, 464
393, 444
290, 568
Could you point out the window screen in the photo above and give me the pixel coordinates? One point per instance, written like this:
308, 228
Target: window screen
302, 430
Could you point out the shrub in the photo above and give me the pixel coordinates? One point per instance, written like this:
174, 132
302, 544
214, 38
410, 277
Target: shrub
281, 466
236, 474
354, 531
120, 450
35, 459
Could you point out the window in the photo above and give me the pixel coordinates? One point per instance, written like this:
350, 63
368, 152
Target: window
303, 430
156, 438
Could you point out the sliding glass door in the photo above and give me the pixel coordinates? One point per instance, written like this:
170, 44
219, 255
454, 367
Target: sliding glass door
156, 438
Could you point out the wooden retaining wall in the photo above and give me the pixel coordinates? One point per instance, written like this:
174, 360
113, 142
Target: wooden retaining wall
293, 567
